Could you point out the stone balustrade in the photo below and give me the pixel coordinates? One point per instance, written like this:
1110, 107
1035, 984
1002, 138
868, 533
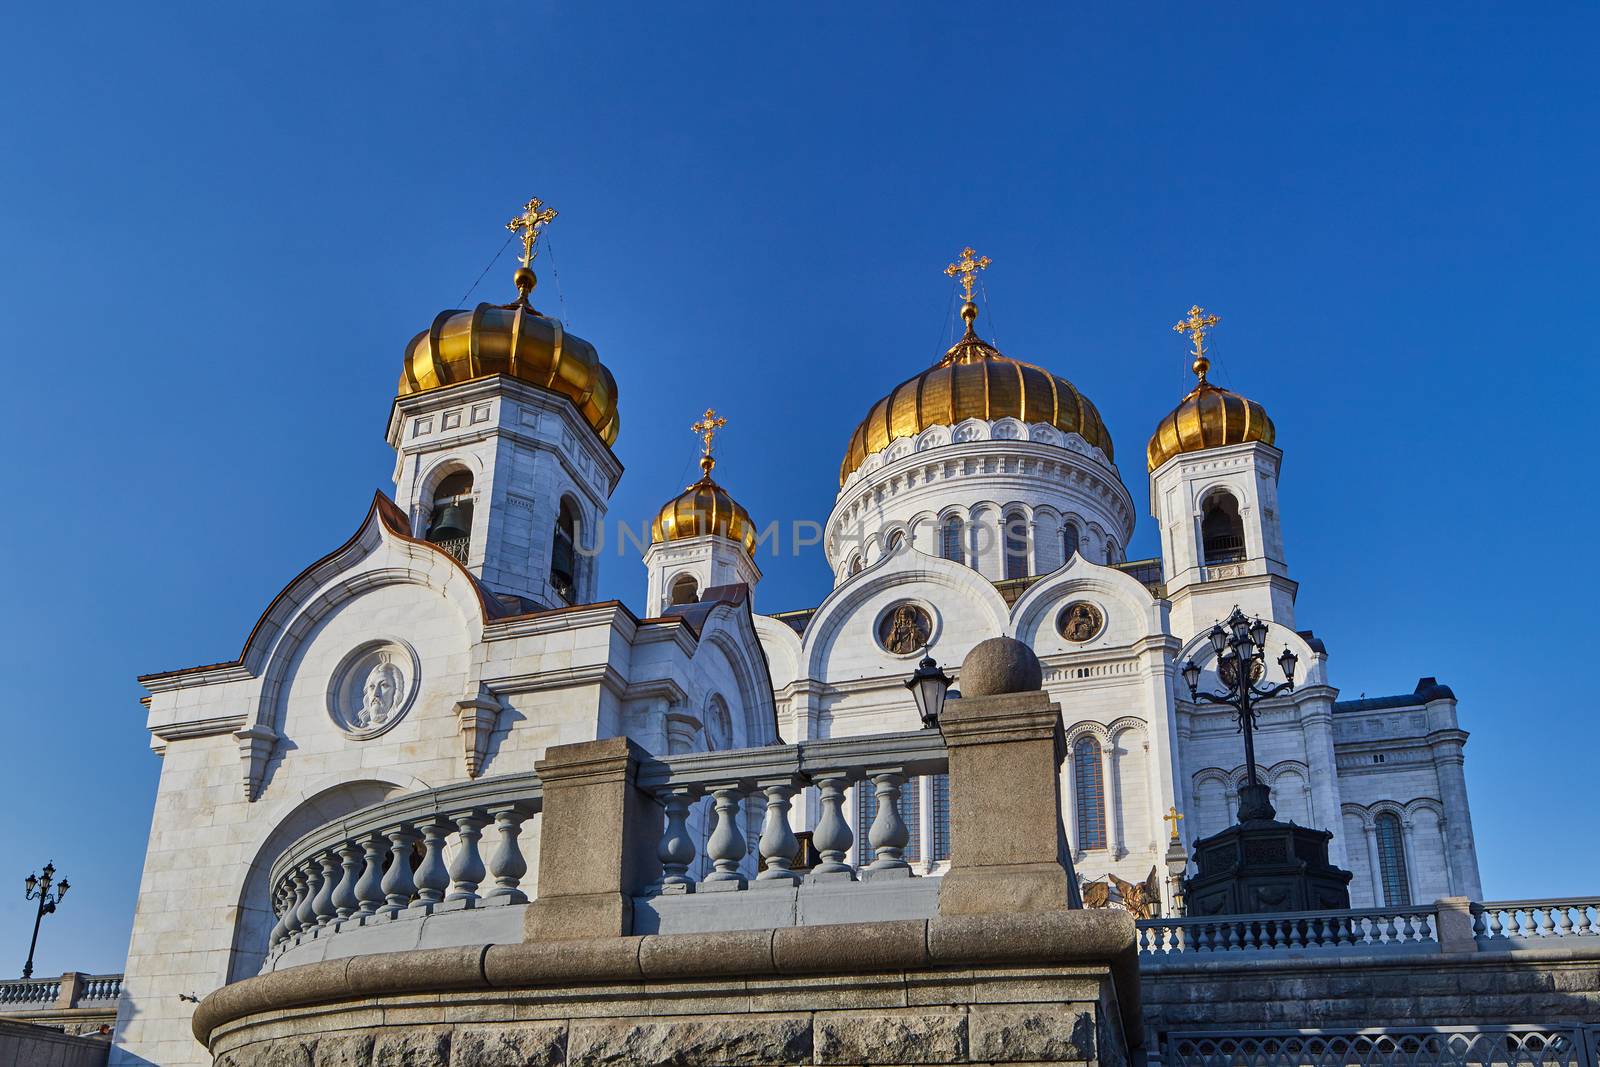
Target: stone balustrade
30, 991
1355, 928
1531, 923
773, 777
406, 858
71, 990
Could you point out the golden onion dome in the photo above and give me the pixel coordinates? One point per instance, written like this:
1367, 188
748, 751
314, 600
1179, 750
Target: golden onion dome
974, 381
1209, 417
515, 340
704, 508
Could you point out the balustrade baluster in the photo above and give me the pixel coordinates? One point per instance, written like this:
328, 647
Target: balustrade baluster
369, 887
323, 904
832, 837
506, 864
1547, 926
1586, 925
726, 847
1232, 941
1496, 927
398, 886
676, 850
345, 902
432, 877
466, 868
296, 887
281, 907
888, 834
778, 844
311, 874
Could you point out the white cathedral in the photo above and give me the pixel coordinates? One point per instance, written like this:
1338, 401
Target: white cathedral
455, 634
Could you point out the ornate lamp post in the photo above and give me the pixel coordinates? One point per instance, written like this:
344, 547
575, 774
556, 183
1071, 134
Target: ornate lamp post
1241, 647
40, 888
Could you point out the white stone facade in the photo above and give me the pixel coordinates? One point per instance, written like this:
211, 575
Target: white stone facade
394, 664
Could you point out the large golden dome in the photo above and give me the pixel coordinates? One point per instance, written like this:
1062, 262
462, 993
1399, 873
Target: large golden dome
1208, 417
704, 508
974, 381
515, 340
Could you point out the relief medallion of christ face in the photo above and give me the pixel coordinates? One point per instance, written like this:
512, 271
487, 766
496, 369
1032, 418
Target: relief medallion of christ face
905, 629
1080, 621
373, 687
382, 693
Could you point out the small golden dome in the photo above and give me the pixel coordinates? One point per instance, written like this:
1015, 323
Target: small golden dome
1208, 417
515, 340
974, 380
704, 508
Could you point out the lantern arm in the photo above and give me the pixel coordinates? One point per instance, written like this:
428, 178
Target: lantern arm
1212, 698
1267, 694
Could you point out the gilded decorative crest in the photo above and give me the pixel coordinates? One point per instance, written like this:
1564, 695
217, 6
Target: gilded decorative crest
905, 629
1081, 621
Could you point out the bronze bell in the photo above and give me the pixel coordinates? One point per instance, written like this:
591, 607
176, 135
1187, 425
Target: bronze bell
450, 523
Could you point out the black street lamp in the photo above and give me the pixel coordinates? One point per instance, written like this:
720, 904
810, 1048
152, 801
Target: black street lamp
1240, 644
40, 889
929, 686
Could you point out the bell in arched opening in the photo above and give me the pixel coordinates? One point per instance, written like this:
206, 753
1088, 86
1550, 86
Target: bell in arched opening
564, 554
450, 525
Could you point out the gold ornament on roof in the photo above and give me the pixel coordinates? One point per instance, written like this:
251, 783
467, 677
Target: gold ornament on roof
1208, 417
707, 428
973, 380
705, 507
1196, 326
517, 341
1173, 816
527, 225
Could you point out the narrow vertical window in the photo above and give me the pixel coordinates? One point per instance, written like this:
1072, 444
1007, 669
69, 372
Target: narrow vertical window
950, 539
1091, 795
866, 811
941, 818
564, 554
1222, 530
1392, 861
450, 522
1016, 541
1069, 543
911, 813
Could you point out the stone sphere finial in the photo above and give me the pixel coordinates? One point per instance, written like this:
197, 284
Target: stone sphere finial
1000, 665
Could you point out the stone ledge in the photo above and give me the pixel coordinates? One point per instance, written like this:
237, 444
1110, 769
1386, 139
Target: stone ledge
1102, 938
1210, 962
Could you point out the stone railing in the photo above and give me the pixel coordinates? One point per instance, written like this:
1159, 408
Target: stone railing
363, 869
773, 776
1361, 929
1524, 923
30, 992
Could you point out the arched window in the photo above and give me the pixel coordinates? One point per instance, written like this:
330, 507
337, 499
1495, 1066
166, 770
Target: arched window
896, 539
1089, 787
855, 564
950, 539
1221, 529
685, 590
450, 522
1392, 860
1113, 553
1016, 542
564, 554
1069, 542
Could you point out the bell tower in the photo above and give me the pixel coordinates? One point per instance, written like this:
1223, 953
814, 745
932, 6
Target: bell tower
701, 538
1214, 494
502, 432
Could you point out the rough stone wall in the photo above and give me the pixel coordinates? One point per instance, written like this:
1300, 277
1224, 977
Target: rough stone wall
1487, 988
989, 1016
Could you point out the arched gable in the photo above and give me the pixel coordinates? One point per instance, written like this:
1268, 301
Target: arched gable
946, 587
1130, 611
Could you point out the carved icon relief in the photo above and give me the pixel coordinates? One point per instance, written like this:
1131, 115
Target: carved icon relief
373, 687
905, 629
1081, 621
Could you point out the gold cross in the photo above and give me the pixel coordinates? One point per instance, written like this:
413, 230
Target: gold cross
1174, 818
1196, 326
707, 428
966, 269
526, 225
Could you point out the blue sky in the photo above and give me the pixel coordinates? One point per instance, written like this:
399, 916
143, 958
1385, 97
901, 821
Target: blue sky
221, 224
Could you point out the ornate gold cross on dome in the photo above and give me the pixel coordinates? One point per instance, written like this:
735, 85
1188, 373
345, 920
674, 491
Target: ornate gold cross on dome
1196, 326
526, 225
1174, 817
966, 269
707, 428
